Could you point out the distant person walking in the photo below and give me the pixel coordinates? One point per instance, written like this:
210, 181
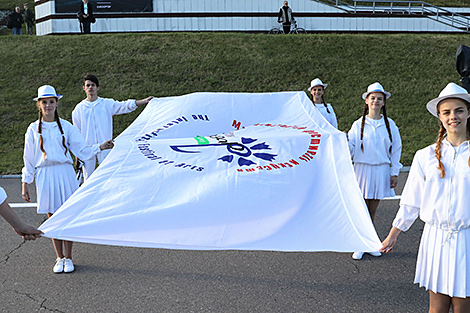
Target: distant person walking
285, 17
15, 21
86, 17
29, 19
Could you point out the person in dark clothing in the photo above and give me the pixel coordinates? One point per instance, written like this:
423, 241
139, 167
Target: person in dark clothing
29, 19
85, 16
15, 21
285, 17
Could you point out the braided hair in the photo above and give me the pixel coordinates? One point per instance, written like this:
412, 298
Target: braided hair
41, 141
437, 152
324, 103
387, 124
440, 138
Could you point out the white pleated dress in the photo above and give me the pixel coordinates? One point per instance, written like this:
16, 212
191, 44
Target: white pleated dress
54, 172
374, 165
443, 263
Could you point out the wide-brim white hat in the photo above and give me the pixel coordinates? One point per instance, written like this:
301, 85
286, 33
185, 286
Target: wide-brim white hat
47, 91
452, 90
317, 82
376, 87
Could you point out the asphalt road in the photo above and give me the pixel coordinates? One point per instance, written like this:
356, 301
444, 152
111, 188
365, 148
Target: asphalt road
118, 279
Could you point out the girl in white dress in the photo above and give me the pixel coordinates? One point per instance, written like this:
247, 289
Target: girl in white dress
48, 143
317, 89
375, 147
437, 190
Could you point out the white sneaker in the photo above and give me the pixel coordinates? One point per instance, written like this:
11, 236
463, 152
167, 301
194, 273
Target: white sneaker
357, 255
375, 253
68, 266
59, 266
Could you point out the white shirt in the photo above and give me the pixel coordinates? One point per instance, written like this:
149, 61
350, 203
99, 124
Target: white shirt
52, 143
376, 143
330, 117
95, 119
85, 8
441, 202
3, 195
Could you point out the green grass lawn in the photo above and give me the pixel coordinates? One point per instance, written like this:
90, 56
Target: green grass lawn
414, 68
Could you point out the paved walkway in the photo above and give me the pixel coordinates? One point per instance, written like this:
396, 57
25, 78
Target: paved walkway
118, 279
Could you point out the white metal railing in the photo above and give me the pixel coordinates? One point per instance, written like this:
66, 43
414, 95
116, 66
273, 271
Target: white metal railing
428, 10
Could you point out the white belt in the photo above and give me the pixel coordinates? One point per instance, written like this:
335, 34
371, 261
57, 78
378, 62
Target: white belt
449, 235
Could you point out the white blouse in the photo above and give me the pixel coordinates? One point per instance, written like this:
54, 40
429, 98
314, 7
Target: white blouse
330, 117
441, 202
95, 119
376, 143
3, 195
52, 143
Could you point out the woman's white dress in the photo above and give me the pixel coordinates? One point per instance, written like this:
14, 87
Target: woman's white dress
54, 172
374, 165
443, 265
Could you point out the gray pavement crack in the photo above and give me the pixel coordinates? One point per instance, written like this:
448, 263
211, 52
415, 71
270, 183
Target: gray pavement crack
41, 302
7, 256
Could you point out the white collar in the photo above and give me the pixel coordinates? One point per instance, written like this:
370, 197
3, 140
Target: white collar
93, 103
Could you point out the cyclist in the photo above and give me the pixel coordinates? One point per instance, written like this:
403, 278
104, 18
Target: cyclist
285, 17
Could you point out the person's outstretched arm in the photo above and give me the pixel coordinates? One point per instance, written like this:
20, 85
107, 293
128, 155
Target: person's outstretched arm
143, 101
26, 231
389, 242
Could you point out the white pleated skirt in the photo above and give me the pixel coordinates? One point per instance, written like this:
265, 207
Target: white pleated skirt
374, 180
443, 265
54, 185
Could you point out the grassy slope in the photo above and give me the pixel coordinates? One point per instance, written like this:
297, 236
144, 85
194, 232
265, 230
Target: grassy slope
414, 68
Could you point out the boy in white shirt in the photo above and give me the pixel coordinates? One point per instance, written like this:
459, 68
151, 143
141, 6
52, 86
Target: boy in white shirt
93, 117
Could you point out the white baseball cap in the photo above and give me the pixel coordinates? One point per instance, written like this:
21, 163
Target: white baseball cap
452, 90
317, 82
47, 91
376, 87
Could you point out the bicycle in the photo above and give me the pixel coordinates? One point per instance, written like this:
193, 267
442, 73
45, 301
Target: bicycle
297, 30
276, 30
293, 29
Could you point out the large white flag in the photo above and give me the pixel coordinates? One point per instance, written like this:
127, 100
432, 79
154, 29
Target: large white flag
223, 171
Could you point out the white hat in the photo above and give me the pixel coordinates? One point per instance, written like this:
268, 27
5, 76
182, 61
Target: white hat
451, 91
317, 82
47, 91
376, 87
